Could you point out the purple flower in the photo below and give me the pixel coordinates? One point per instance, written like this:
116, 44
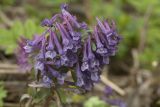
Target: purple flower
95, 76
50, 52
72, 36
111, 48
57, 43
39, 66
77, 45
50, 42
33, 45
37, 41
67, 44
65, 31
22, 56
109, 36
102, 27
63, 58
75, 35
87, 80
71, 18
80, 81
47, 81
100, 47
41, 55
84, 25
105, 59
93, 61
85, 63
56, 74
46, 22
112, 39
28, 48
73, 45
108, 91
72, 57
56, 62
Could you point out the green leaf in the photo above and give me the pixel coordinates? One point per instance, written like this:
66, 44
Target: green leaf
3, 94
9, 37
95, 102
29, 28
73, 73
17, 30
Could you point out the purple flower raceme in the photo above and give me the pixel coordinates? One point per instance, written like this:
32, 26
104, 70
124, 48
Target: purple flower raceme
61, 49
108, 98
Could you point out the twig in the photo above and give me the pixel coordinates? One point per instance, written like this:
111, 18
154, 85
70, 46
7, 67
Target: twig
8, 66
58, 98
9, 71
7, 21
144, 29
135, 59
47, 101
112, 85
133, 75
8, 104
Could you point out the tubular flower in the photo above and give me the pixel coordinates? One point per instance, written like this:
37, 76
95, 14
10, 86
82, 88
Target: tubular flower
80, 80
85, 63
67, 44
22, 56
61, 49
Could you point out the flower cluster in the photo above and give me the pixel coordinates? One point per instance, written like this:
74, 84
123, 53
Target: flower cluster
108, 98
61, 49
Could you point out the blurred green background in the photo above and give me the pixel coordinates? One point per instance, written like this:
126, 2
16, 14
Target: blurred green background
137, 21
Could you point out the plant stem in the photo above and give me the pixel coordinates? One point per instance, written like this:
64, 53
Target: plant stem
58, 98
